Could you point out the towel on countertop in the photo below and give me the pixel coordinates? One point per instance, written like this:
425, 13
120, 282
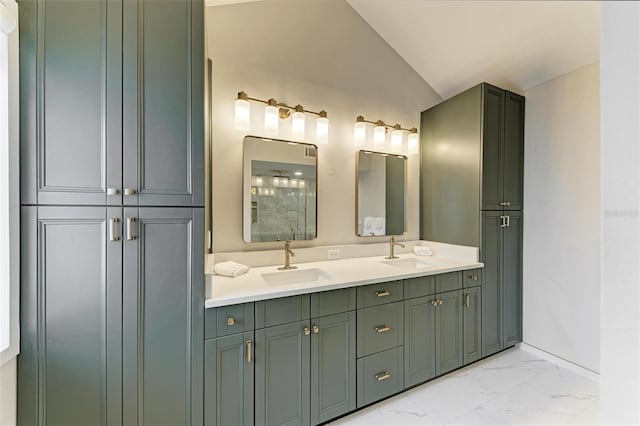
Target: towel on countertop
422, 251
230, 269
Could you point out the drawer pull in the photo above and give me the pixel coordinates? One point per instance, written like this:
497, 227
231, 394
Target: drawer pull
316, 329
306, 331
382, 293
112, 229
382, 376
466, 301
505, 203
473, 277
231, 321
439, 302
382, 328
434, 302
249, 345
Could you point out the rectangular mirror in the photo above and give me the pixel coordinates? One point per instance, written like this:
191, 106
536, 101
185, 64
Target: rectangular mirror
381, 181
279, 190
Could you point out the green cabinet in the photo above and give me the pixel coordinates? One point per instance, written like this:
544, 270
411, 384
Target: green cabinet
448, 332
419, 338
512, 279
471, 324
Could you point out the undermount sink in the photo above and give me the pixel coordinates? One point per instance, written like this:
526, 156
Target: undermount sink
410, 263
296, 276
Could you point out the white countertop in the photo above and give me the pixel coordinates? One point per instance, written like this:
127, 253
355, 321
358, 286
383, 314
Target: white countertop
250, 287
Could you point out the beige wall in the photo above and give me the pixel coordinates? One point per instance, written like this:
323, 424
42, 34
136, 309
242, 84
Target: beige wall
562, 217
8, 402
322, 55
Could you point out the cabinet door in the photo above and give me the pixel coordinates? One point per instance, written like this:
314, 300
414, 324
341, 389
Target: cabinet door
491, 256
471, 324
512, 280
163, 78
419, 340
228, 371
71, 109
70, 364
492, 137
448, 332
513, 151
282, 392
333, 366
163, 318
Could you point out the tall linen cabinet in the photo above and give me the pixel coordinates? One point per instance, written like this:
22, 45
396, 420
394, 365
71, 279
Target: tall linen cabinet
471, 184
112, 304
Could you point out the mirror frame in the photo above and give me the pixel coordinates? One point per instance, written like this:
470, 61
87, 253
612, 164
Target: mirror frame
244, 185
386, 154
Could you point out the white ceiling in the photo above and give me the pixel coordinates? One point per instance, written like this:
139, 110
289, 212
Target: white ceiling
517, 45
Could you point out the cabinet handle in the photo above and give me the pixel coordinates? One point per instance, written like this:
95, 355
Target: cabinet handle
434, 302
249, 344
129, 191
439, 302
505, 203
508, 224
503, 221
382, 328
382, 293
306, 331
466, 301
112, 229
231, 321
130, 236
316, 329
113, 191
473, 277
382, 376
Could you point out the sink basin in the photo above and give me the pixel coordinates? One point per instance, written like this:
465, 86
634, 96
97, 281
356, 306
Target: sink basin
296, 276
410, 263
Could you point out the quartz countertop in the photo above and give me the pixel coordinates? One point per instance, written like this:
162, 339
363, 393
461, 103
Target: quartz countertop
352, 272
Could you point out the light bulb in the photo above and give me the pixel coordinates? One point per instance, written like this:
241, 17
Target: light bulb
297, 123
379, 135
412, 142
243, 112
271, 118
359, 132
322, 129
396, 138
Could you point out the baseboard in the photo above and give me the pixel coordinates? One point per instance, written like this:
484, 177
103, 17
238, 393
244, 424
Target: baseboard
561, 362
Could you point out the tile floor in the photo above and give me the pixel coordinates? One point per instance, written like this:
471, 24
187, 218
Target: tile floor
511, 388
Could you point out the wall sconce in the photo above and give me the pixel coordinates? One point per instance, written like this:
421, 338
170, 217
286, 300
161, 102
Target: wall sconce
274, 112
359, 132
413, 144
380, 135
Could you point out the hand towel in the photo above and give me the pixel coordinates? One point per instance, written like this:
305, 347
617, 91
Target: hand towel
422, 251
368, 226
230, 269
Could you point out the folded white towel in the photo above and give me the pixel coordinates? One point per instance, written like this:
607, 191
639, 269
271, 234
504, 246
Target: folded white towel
230, 269
422, 251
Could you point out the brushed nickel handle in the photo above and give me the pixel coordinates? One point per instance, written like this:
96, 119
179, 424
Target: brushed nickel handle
473, 277
505, 203
113, 191
382, 328
382, 293
466, 301
249, 344
316, 329
130, 236
503, 221
508, 221
231, 321
112, 229
306, 331
129, 191
440, 302
382, 376
434, 302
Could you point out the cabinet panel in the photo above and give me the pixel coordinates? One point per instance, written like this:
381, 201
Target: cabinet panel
448, 282
419, 340
333, 366
380, 376
471, 324
379, 328
492, 141
513, 150
491, 293
449, 332
379, 293
333, 302
418, 287
472, 278
227, 320
512, 280
163, 319
282, 392
274, 312
163, 78
228, 381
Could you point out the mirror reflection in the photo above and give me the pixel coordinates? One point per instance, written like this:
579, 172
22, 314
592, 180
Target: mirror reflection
381, 194
279, 190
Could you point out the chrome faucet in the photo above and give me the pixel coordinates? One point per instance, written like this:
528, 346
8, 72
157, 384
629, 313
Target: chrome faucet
288, 254
392, 245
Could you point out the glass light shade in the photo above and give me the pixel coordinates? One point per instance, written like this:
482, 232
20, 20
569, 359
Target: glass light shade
396, 140
297, 125
322, 130
359, 134
243, 114
379, 136
412, 144
271, 120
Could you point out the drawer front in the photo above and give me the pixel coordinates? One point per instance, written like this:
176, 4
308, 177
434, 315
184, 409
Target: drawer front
333, 302
379, 328
227, 320
448, 282
282, 311
379, 376
377, 294
419, 287
472, 278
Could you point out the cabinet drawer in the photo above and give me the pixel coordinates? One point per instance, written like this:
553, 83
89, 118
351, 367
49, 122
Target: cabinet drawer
377, 294
379, 376
418, 287
379, 328
227, 320
282, 311
472, 278
448, 282
333, 302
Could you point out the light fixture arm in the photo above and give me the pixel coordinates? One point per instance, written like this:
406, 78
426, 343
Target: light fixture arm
361, 119
281, 105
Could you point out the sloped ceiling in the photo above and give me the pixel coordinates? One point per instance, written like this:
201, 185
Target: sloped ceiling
517, 45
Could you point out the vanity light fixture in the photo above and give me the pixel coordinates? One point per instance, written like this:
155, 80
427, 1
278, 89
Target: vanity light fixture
396, 138
413, 147
275, 111
359, 132
379, 135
